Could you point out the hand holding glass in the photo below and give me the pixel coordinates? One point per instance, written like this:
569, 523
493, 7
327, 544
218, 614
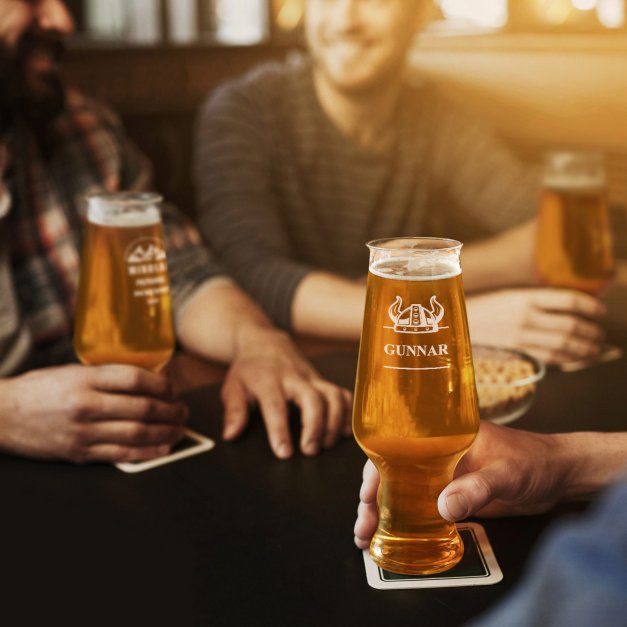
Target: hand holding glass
574, 244
416, 409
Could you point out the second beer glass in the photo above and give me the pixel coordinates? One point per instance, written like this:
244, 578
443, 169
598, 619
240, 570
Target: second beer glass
123, 313
416, 407
574, 244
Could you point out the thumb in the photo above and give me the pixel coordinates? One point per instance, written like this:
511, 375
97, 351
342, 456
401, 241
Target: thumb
470, 493
235, 404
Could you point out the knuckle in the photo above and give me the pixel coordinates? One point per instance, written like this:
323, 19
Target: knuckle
145, 408
138, 432
134, 378
79, 405
335, 397
564, 343
572, 326
314, 398
78, 454
481, 487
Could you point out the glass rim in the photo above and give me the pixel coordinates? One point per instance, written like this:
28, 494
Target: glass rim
126, 198
449, 244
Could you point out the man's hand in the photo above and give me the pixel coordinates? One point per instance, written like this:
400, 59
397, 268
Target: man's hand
506, 472
89, 413
269, 371
555, 325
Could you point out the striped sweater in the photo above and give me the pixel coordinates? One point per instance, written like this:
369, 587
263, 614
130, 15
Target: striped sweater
282, 193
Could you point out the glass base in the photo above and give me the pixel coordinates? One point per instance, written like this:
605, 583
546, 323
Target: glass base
417, 556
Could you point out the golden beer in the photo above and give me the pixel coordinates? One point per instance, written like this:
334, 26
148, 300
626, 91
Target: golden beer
574, 244
416, 407
123, 312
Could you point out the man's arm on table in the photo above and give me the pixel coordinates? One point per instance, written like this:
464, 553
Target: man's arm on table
555, 325
220, 322
504, 260
329, 305
510, 472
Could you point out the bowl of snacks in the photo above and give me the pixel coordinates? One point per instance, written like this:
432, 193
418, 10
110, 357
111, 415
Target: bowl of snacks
506, 382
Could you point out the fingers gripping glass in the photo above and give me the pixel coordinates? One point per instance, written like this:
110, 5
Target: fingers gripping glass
415, 410
123, 311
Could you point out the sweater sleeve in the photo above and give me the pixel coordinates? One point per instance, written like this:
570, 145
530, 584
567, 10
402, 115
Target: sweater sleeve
239, 208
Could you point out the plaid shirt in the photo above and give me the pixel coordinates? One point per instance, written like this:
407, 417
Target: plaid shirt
90, 153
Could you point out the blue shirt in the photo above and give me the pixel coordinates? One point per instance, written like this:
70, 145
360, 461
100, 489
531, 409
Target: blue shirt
578, 577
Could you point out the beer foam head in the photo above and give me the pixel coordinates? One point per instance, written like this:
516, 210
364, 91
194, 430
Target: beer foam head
416, 269
572, 170
124, 209
415, 258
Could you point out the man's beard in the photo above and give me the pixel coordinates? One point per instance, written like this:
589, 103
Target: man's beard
36, 102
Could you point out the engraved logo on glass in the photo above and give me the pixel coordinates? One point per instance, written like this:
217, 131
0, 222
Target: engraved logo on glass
416, 318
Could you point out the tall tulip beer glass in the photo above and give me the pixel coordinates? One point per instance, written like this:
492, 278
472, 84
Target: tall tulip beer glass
416, 409
123, 313
574, 246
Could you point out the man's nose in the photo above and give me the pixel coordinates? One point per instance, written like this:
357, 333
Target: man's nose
347, 14
53, 15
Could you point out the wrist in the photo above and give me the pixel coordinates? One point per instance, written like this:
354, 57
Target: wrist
252, 336
587, 464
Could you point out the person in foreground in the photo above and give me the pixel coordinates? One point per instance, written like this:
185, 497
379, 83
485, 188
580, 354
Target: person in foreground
299, 164
579, 574
57, 146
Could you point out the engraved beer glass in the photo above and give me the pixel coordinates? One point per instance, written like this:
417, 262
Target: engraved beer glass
416, 411
123, 312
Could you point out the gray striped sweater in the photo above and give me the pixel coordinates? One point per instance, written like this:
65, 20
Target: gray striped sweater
281, 192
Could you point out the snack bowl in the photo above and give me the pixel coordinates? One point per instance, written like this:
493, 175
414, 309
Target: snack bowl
506, 380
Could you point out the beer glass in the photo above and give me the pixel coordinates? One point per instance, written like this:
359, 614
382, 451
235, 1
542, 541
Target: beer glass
416, 411
123, 312
574, 245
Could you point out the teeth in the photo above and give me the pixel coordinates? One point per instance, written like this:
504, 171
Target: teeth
348, 47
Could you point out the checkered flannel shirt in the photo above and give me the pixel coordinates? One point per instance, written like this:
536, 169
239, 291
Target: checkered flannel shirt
88, 152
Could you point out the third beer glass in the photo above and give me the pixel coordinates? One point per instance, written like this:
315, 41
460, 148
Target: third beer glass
574, 247
123, 313
416, 408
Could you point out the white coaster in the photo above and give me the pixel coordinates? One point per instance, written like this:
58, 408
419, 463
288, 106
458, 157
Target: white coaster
477, 568
192, 444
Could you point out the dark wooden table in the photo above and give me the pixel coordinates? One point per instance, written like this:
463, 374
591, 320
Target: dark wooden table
235, 537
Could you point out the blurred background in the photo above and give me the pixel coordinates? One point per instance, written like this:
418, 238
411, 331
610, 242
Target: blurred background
545, 73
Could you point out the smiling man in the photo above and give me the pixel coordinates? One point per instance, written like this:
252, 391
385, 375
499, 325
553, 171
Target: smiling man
299, 164
56, 146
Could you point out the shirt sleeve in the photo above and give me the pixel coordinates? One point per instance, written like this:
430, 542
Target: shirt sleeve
238, 207
579, 575
490, 189
190, 262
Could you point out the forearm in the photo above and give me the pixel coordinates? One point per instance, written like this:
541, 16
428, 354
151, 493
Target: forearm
590, 461
328, 305
219, 319
502, 261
